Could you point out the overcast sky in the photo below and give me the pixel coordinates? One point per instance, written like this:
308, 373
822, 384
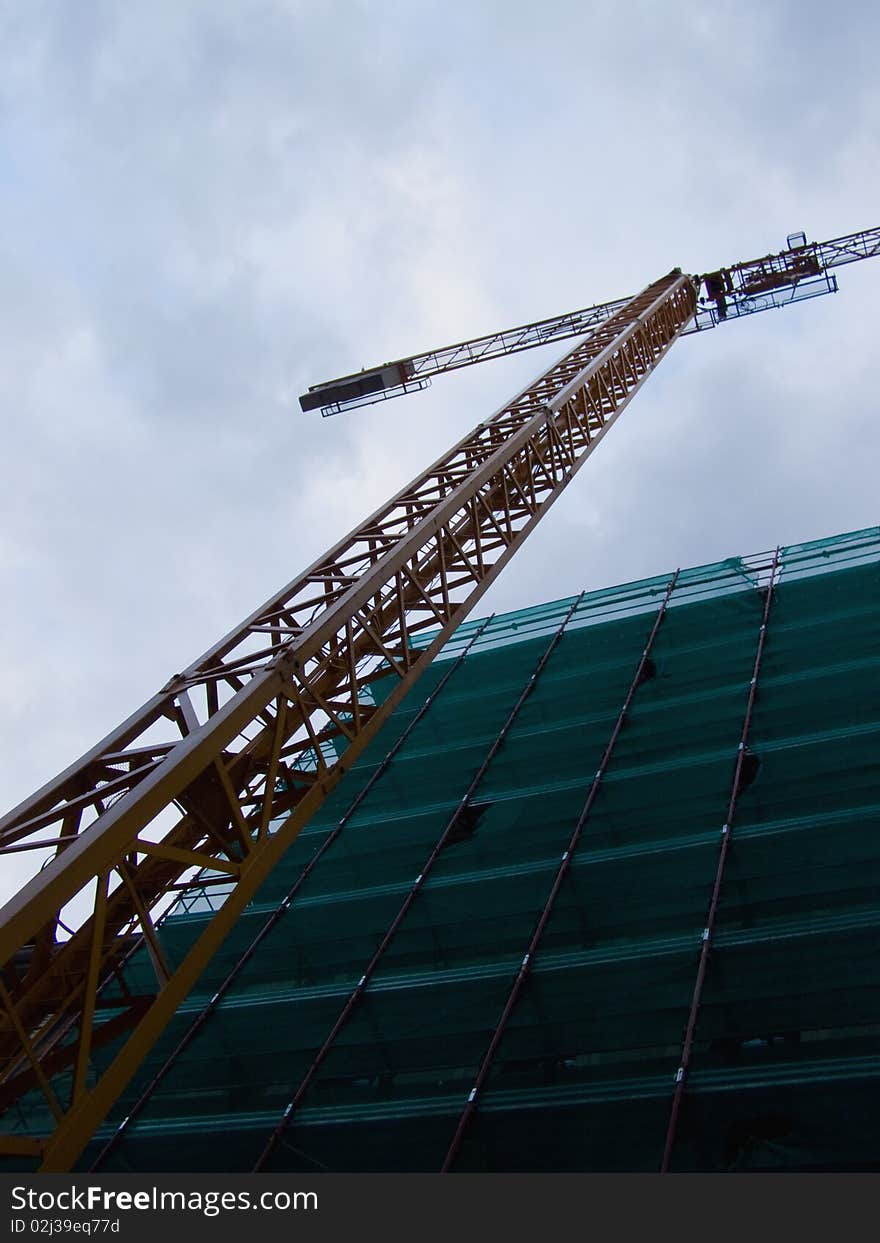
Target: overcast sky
208, 206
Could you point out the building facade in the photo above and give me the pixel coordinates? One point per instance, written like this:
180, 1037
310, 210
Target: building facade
398, 994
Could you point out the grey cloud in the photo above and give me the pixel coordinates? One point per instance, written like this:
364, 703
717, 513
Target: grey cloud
207, 207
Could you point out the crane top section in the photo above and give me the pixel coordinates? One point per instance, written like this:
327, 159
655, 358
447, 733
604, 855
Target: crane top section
799, 272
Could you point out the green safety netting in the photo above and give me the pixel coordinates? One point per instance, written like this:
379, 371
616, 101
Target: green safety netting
786, 1071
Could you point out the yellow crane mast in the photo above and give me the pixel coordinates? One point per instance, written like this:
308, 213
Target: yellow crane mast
214, 777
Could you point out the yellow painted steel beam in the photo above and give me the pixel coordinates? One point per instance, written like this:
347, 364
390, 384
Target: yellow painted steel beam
252, 712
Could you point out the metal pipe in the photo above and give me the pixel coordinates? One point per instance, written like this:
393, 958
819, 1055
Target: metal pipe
709, 930
562, 870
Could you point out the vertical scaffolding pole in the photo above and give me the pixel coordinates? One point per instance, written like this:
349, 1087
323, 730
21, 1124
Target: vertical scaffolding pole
285, 904
726, 834
561, 872
418, 884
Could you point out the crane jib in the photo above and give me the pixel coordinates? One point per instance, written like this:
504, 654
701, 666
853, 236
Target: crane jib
795, 274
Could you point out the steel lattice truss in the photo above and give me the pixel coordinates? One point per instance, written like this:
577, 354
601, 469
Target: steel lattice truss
800, 272
221, 769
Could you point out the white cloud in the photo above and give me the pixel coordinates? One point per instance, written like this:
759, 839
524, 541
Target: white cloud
207, 208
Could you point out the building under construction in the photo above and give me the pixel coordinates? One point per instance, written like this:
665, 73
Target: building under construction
369, 886
630, 734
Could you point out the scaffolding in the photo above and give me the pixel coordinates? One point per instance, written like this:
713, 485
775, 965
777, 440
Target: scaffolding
604, 885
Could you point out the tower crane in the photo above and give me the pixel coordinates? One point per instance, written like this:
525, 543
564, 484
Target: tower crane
799, 272
210, 781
